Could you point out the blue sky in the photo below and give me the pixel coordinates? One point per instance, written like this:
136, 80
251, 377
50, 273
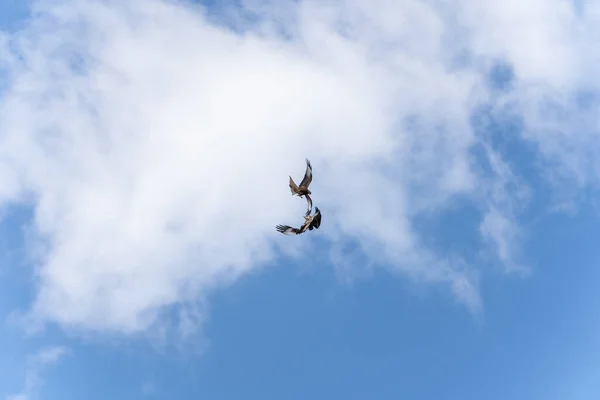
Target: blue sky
293, 331
457, 255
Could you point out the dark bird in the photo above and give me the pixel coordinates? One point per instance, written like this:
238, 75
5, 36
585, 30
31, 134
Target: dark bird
302, 189
310, 222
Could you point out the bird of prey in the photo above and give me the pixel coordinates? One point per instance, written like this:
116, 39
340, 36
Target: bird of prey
302, 189
310, 222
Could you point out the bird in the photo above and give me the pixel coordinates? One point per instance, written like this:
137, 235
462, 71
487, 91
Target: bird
310, 222
302, 189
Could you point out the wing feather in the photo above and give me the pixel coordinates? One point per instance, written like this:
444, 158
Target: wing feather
307, 175
304, 226
310, 204
288, 230
316, 222
293, 186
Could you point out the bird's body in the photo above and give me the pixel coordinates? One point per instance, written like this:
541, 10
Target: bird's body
310, 222
302, 189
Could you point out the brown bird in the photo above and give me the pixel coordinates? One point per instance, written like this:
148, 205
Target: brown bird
302, 189
310, 222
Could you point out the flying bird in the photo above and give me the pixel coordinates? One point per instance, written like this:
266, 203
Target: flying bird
302, 189
310, 222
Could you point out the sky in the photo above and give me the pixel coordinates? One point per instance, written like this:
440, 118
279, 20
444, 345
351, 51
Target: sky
145, 152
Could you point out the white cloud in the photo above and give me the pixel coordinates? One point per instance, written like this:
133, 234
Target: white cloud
504, 203
536, 37
551, 46
155, 145
44, 358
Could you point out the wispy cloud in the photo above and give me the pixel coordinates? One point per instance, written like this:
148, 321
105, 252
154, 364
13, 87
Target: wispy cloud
33, 380
155, 145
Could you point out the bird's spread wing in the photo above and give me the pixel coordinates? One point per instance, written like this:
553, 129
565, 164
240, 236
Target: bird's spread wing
288, 230
293, 186
306, 224
316, 221
309, 201
307, 175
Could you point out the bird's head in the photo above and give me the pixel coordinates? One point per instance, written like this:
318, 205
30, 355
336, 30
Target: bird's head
308, 191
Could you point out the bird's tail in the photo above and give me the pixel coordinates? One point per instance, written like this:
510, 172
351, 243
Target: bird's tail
293, 186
